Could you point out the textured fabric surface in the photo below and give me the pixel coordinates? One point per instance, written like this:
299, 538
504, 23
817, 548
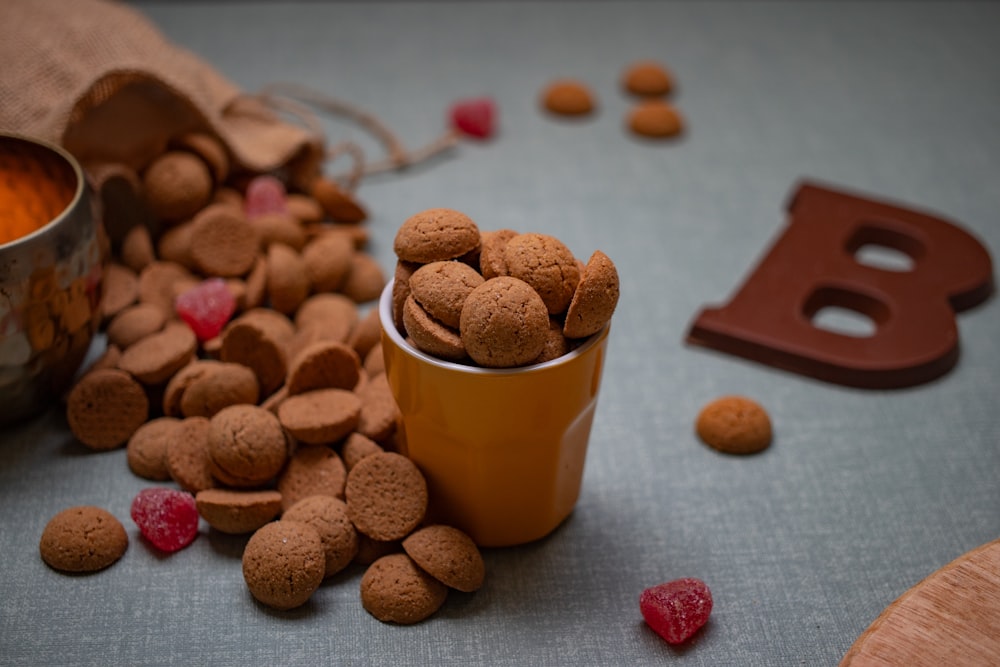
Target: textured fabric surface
98, 77
861, 495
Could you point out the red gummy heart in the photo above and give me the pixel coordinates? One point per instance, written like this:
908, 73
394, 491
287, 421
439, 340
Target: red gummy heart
166, 517
676, 609
206, 307
474, 117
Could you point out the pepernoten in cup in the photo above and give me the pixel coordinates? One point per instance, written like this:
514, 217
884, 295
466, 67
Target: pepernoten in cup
503, 450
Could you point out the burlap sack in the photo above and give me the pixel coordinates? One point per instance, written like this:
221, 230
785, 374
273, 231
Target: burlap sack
97, 77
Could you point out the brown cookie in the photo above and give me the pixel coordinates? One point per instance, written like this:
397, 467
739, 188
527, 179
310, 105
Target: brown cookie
395, 590
647, 78
429, 335
146, 451
284, 564
223, 242
441, 288
275, 227
155, 358
259, 346
137, 248
568, 97
324, 365
176, 185
327, 260
187, 455
379, 411
448, 555
223, 384
338, 203
179, 383
365, 280
491, 252
655, 119
321, 416
595, 298
237, 512
370, 550
134, 323
287, 282
210, 149
105, 408
174, 245
436, 234
328, 515
546, 264
386, 496
556, 344
312, 470
357, 447
158, 283
366, 334
334, 314
83, 539
504, 323
246, 445
374, 362
255, 285
734, 425
119, 289
303, 207
401, 290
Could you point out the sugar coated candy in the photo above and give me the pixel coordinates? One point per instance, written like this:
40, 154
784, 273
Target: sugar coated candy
168, 518
676, 609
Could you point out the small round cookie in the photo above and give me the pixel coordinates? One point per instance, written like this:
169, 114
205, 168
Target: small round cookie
436, 234
279, 227
134, 323
448, 555
734, 425
237, 512
284, 563
647, 78
119, 289
105, 408
568, 97
146, 451
595, 299
441, 288
374, 362
224, 384
334, 313
429, 335
357, 447
158, 283
154, 359
370, 550
210, 149
260, 348
174, 245
504, 323
379, 410
303, 207
246, 445
655, 119
386, 496
320, 416
176, 185
366, 334
181, 380
339, 204
491, 257
223, 242
395, 590
324, 365
312, 470
328, 515
556, 344
327, 260
136, 249
401, 290
287, 282
187, 455
365, 279
546, 264
82, 539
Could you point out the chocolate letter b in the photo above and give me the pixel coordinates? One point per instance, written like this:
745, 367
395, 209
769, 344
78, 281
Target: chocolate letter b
813, 265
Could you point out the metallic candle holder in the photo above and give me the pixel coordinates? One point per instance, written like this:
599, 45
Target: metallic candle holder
50, 274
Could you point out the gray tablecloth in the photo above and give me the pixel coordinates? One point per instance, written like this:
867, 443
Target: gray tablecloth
862, 494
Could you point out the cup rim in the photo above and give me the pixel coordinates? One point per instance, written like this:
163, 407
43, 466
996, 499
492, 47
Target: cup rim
389, 327
70, 206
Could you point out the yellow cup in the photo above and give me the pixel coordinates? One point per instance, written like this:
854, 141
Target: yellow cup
502, 449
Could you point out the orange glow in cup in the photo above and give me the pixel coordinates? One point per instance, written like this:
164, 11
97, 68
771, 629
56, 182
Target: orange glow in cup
503, 450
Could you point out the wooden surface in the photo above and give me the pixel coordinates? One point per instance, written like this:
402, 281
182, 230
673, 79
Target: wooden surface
950, 618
